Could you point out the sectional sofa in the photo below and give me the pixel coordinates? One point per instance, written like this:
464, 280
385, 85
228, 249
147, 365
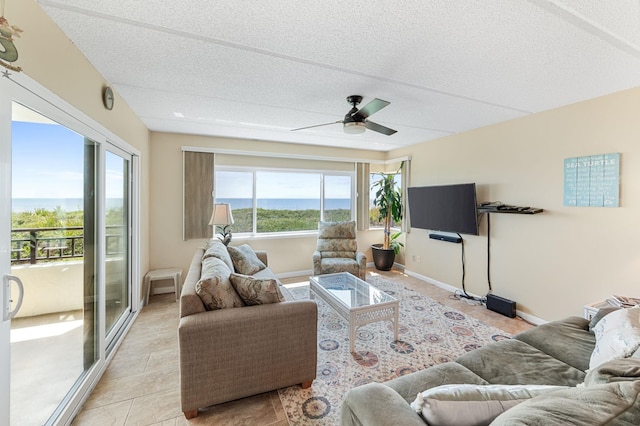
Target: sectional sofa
565, 372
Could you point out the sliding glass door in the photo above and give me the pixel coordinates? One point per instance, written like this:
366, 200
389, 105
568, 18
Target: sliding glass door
66, 257
117, 247
53, 334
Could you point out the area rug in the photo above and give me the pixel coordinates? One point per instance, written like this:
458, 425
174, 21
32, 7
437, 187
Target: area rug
429, 333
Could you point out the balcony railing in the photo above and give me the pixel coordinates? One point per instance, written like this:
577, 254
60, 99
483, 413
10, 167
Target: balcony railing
33, 245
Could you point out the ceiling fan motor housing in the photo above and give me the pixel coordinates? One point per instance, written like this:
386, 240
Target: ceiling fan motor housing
354, 100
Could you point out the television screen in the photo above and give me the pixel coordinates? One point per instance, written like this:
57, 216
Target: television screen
446, 208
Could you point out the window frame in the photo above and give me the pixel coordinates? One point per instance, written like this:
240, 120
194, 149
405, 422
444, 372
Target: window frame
255, 170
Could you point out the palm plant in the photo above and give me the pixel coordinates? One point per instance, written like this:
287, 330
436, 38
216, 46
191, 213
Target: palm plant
388, 200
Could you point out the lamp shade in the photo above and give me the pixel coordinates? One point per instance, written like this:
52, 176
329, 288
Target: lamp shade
221, 215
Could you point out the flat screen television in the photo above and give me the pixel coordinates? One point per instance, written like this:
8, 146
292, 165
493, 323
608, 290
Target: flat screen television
446, 208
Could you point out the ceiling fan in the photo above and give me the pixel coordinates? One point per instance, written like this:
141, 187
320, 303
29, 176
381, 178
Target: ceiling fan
355, 122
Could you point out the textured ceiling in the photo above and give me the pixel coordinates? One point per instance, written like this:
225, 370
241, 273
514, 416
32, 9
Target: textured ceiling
257, 69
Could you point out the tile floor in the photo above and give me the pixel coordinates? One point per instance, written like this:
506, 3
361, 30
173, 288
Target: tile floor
140, 386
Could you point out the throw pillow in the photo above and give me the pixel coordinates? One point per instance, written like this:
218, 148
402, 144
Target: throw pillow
245, 260
215, 248
472, 404
602, 312
255, 291
214, 287
617, 336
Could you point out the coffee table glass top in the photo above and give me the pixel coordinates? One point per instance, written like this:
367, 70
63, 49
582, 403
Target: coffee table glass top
351, 291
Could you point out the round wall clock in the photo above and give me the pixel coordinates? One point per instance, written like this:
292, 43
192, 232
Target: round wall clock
107, 98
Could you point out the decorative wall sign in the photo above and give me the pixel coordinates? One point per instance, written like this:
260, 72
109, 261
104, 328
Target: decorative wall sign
592, 181
8, 50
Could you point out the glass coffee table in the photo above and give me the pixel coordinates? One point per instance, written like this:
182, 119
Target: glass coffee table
355, 300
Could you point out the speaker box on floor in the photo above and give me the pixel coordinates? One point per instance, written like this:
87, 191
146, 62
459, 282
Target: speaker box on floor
501, 305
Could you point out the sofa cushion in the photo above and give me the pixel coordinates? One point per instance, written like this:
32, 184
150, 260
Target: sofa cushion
567, 340
214, 286
334, 265
329, 230
190, 302
598, 405
617, 370
255, 291
467, 404
215, 248
442, 374
337, 239
617, 336
245, 260
512, 362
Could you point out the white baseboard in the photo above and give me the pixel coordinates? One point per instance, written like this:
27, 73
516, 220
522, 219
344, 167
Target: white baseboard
437, 283
525, 316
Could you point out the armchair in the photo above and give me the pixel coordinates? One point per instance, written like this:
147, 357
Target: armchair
337, 250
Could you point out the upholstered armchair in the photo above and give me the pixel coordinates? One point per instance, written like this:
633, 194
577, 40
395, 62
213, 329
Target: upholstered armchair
337, 250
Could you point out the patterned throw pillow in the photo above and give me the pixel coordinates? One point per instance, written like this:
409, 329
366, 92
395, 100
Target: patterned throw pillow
245, 260
255, 291
214, 288
215, 248
617, 336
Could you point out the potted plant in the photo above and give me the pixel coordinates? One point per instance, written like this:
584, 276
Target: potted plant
388, 200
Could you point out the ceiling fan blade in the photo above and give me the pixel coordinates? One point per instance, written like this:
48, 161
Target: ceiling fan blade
370, 108
317, 125
379, 128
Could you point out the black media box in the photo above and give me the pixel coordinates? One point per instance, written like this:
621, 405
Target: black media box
501, 305
447, 238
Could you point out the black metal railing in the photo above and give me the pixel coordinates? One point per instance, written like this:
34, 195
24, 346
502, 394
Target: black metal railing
33, 245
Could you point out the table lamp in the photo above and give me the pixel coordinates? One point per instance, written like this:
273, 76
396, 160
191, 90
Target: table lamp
223, 219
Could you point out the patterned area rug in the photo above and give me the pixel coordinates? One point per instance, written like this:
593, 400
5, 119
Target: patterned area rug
430, 333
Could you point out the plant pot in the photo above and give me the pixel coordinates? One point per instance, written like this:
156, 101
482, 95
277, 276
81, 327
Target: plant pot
382, 258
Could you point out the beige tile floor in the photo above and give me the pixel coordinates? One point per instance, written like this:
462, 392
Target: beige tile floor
140, 386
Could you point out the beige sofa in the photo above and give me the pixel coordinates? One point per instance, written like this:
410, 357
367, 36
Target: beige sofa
227, 354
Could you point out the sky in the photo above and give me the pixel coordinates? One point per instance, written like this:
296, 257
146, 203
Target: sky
47, 162
231, 184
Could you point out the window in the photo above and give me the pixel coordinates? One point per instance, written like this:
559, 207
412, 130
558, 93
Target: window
374, 222
273, 201
337, 198
236, 189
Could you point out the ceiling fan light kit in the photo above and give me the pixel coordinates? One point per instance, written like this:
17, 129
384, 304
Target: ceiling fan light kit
356, 120
354, 128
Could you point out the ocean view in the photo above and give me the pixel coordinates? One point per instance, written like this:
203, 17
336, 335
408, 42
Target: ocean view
19, 205
75, 204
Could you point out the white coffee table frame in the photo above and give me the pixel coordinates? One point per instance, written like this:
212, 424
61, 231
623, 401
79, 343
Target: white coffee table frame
362, 310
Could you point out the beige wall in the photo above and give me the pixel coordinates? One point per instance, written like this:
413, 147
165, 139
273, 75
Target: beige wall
47, 56
286, 255
552, 263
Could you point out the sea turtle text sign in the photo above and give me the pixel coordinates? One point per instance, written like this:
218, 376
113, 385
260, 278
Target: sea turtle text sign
592, 181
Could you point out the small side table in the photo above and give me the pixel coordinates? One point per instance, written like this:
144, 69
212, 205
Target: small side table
174, 274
